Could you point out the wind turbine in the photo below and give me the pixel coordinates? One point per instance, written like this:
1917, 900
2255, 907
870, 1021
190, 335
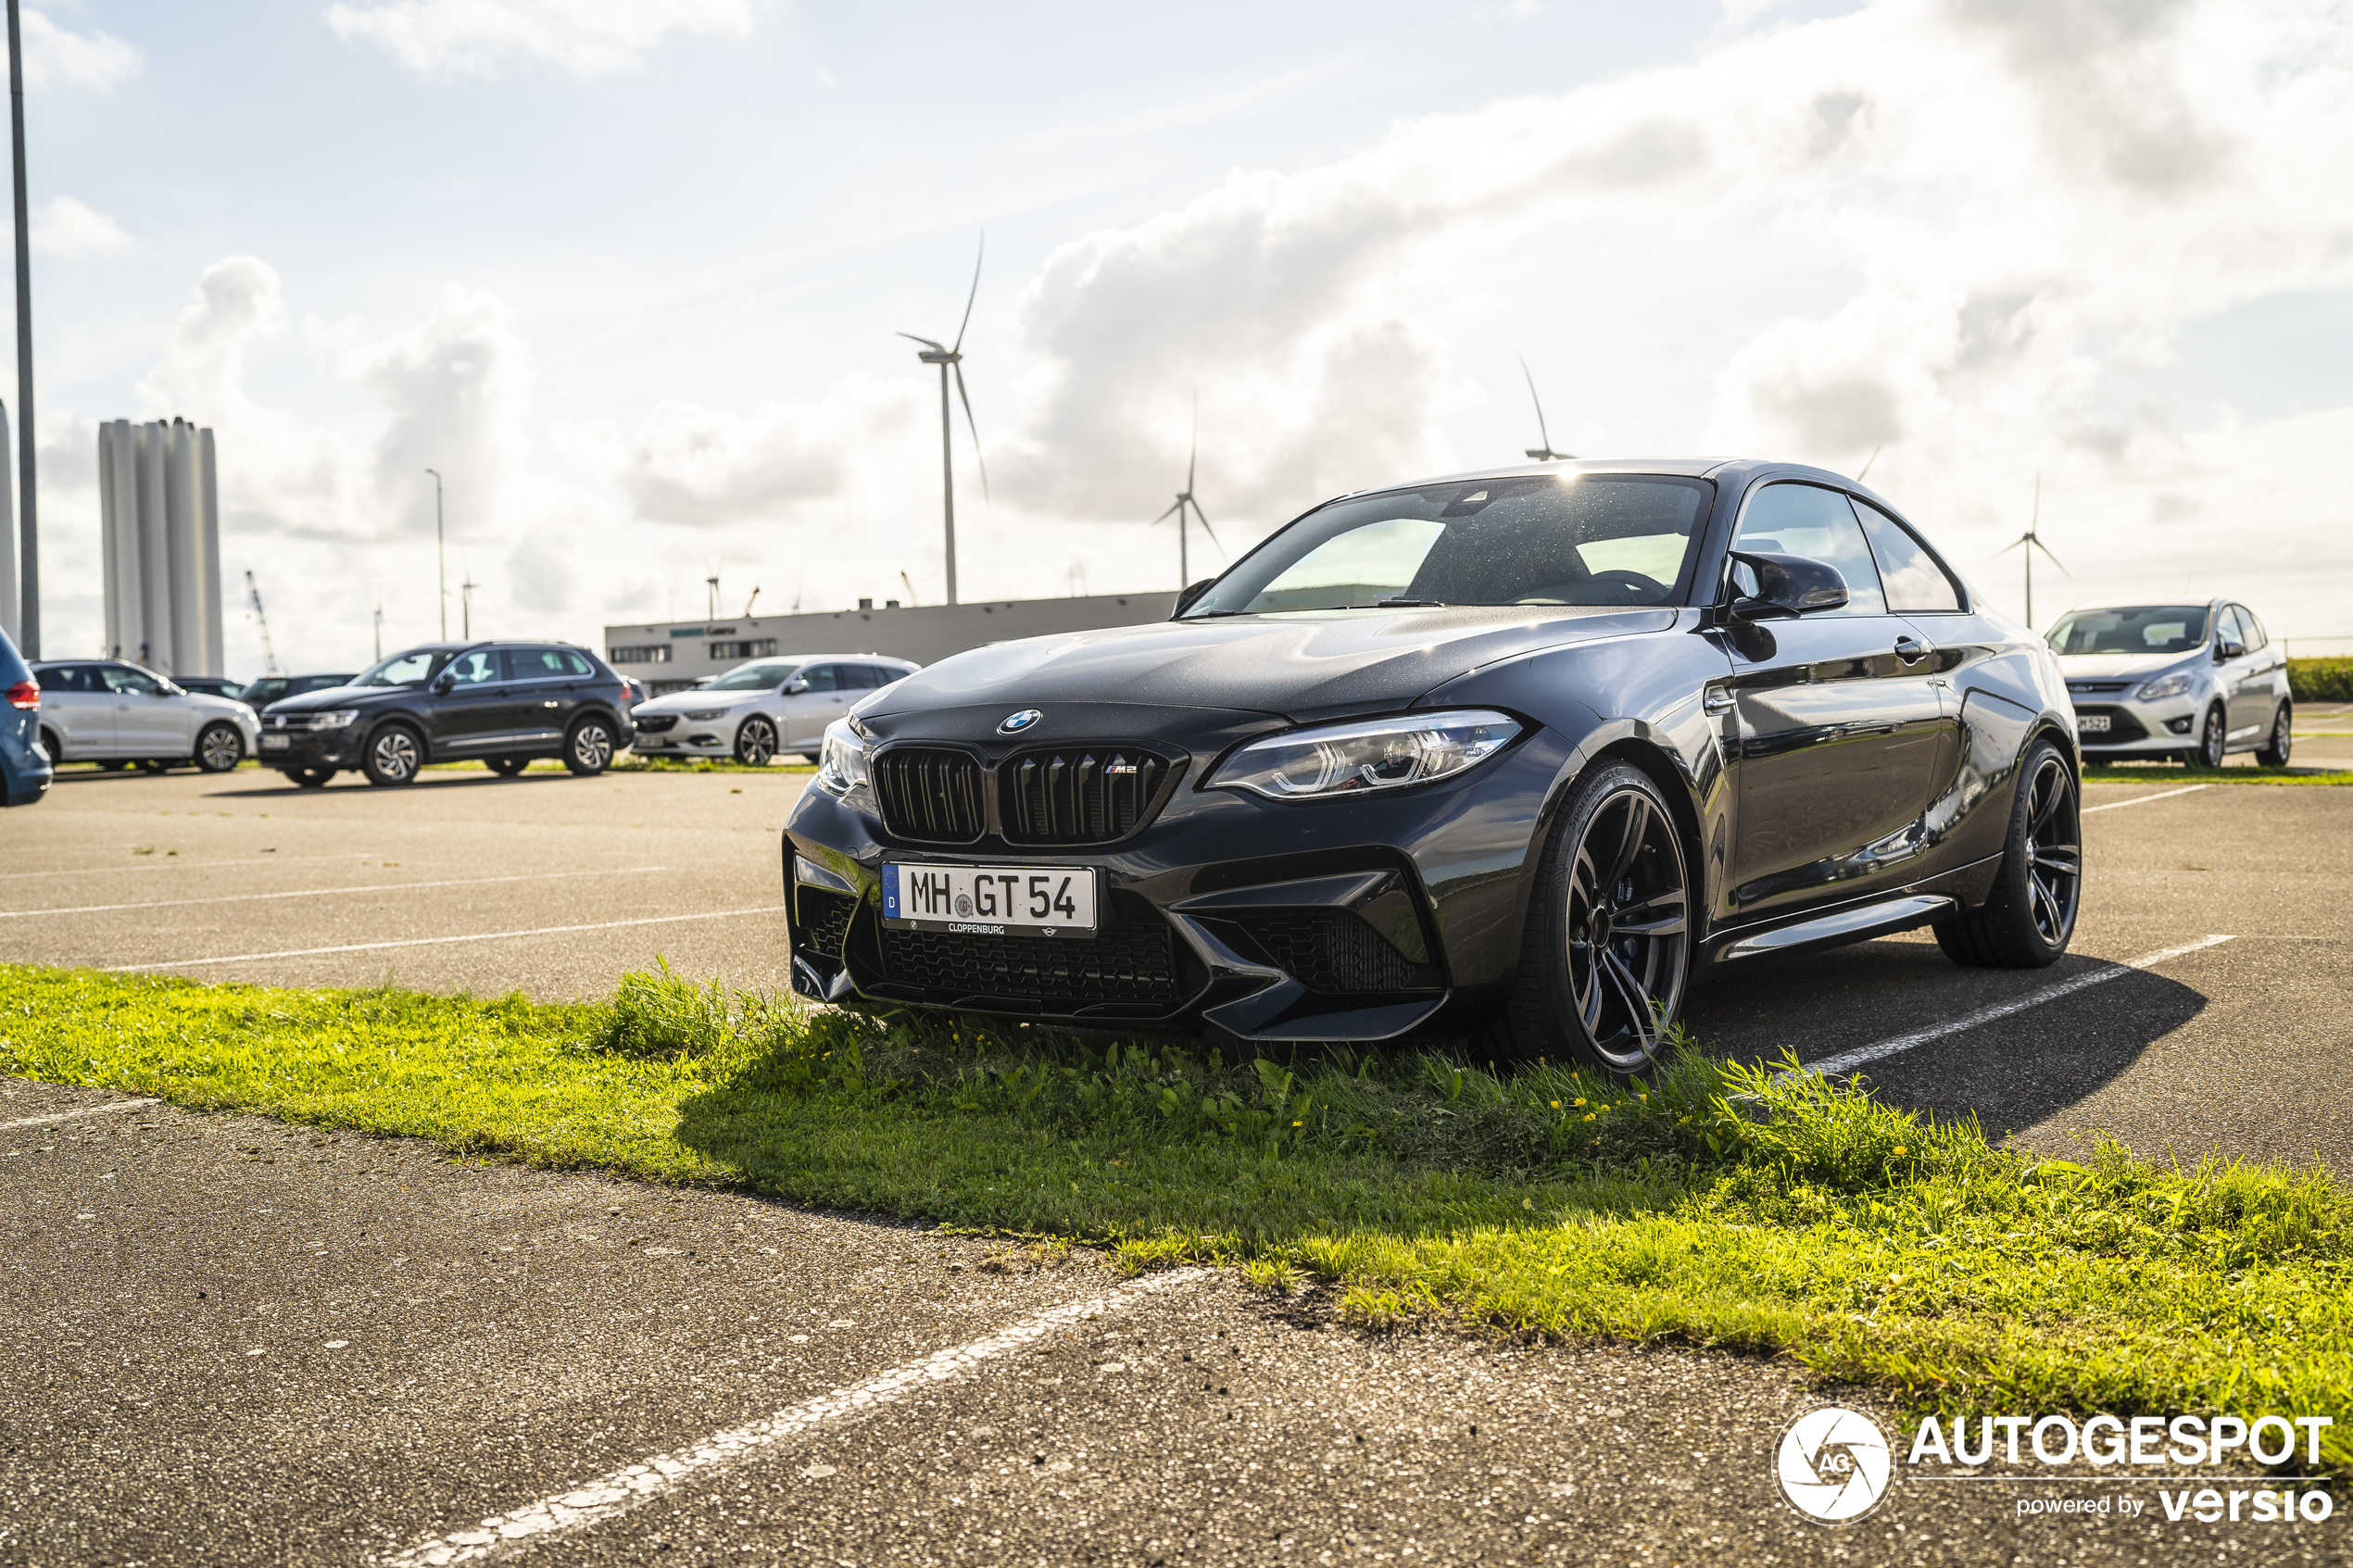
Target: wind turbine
2031, 542
466, 603
1544, 454
950, 359
1184, 501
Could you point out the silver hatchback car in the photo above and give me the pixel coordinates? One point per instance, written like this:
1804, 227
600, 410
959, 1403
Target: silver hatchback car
758, 709
2196, 681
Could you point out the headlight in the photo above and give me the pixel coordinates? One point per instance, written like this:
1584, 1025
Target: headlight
1353, 758
2165, 686
341, 719
842, 767
706, 715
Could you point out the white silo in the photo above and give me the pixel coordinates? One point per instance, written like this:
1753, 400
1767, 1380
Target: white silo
161, 516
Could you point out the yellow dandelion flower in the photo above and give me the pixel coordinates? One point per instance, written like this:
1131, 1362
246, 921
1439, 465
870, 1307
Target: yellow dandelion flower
1556, 1104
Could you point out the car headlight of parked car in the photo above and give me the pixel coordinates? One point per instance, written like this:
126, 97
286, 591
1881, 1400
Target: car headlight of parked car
705, 715
2165, 686
1353, 758
842, 767
337, 719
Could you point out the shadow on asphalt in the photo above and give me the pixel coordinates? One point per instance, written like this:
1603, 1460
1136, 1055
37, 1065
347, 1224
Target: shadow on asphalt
2011, 1072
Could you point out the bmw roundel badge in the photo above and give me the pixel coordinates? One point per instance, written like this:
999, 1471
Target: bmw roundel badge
1019, 721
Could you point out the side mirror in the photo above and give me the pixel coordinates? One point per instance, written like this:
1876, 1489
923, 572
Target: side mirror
2225, 650
794, 687
1188, 597
444, 683
1789, 587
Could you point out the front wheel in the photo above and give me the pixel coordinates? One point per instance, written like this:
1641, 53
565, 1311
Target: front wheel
220, 748
2211, 733
2273, 752
393, 757
756, 742
588, 749
2031, 916
1607, 953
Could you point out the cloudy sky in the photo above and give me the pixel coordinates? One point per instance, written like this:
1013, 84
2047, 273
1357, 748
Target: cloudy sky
628, 275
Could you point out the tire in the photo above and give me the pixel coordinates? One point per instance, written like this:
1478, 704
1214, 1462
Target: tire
588, 747
508, 766
756, 742
220, 748
2211, 734
1605, 1003
2030, 917
392, 757
2274, 752
310, 778
52, 745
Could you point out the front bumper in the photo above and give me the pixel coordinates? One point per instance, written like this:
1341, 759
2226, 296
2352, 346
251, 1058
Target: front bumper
292, 749
1361, 918
2120, 726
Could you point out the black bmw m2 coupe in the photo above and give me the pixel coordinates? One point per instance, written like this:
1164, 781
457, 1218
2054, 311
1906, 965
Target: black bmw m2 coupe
1518, 756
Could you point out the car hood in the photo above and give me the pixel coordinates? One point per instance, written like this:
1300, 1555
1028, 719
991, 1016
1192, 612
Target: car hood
1303, 666
699, 701
339, 697
2120, 666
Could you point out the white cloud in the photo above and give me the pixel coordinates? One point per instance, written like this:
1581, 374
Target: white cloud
56, 56
65, 227
485, 38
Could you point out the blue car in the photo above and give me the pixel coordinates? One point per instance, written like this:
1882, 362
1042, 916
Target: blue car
24, 767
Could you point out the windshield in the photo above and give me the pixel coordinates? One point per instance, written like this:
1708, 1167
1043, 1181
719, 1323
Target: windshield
751, 678
2136, 629
412, 669
1542, 539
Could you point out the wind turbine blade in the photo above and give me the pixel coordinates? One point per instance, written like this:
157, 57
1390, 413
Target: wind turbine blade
2011, 545
2052, 559
1164, 516
924, 341
1193, 456
975, 429
1540, 407
1203, 518
1868, 461
970, 298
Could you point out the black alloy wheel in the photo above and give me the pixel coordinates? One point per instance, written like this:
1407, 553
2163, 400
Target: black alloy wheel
508, 766
588, 749
2029, 917
1608, 950
394, 756
220, 748
756, 742
2212, 732
310, 778
52, 745
2275, 752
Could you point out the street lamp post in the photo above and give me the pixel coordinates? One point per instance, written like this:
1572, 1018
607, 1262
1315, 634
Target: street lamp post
28, 494
440, 555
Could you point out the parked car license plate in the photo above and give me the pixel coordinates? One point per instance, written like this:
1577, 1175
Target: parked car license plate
276, 742
2090, 723
991, 900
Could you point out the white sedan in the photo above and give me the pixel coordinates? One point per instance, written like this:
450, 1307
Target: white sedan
109, 711
758, 709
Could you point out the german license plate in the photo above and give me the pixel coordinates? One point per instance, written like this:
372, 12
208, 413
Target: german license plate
276, 742
991, 900
2090, 723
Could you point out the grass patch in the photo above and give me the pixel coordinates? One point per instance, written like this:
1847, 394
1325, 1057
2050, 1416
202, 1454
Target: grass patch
1716, 1206
2179, 773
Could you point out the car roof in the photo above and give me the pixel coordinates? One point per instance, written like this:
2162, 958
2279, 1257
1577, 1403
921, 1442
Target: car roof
1733, 471
2137, 603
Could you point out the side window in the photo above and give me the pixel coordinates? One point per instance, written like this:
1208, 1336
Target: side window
1806, 520
884, 674
574, 664
479, 668
70, 678
2254, 628
136, 683
2227, 627
535, 664
1915, 582
823, 677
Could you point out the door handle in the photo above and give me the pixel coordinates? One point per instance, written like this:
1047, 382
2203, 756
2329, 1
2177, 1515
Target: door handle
1912, 650
1717, 700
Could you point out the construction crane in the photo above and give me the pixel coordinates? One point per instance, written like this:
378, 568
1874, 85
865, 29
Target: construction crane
751, 601
253, 598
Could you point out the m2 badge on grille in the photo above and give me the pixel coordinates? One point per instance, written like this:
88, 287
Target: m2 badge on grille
990, 900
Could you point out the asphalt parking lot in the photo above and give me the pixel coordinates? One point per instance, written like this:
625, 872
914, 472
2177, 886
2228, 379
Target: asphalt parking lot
226, 1340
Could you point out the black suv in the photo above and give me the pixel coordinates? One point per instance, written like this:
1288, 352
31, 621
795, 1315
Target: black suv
500, 703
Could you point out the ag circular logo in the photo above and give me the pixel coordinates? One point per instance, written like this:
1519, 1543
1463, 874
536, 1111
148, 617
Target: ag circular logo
1017, 722
1833, 1464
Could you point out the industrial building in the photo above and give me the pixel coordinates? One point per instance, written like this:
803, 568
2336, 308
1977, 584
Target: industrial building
671, 657
159, 509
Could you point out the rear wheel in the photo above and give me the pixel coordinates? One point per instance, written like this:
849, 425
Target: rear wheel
2031, 916
756, 742
2212, 732
508, 766
2273, 752
220, 748
588, 749
52, 745
1607, 950
393, 757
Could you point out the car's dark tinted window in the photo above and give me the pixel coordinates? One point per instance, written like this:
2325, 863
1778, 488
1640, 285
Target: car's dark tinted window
823, 677
1806, 520
1558, 539
307, 683
1915, 583
547, 664
883, 675
70, 678
475, 667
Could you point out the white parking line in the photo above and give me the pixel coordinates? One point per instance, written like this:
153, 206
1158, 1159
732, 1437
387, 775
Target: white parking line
324, 892
620, 1490
2144, 799
69, 1115
1847, 1061
436, 941
176, 865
